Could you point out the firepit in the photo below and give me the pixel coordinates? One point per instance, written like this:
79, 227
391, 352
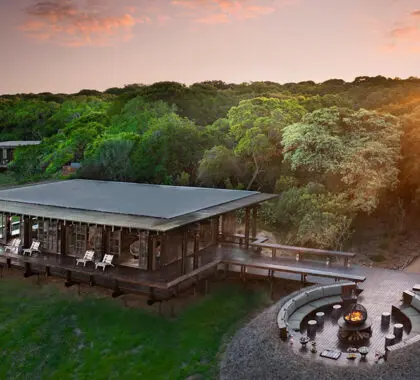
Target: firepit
355, 326
357, 315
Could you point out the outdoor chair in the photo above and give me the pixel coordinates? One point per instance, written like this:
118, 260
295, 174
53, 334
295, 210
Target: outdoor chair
107, 260
87, 258
13, 246
34, 248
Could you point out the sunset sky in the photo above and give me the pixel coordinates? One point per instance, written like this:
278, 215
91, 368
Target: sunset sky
68, 45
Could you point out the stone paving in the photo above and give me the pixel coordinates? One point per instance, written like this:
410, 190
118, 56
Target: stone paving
257, 352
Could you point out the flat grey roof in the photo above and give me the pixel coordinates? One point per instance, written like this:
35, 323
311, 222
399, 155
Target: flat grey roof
156, 201
13, 144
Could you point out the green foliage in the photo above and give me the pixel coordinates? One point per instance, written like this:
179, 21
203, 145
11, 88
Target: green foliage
170, 146
359, 148
218, 167
109, 157
137, 114
58, 336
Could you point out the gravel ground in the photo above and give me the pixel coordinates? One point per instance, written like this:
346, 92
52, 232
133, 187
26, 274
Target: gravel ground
256, 352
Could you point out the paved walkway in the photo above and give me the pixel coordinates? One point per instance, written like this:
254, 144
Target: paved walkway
256, 352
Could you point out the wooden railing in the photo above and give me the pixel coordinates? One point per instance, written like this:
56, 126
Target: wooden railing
300, 251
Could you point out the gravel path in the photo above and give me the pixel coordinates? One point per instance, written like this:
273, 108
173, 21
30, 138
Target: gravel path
256, 352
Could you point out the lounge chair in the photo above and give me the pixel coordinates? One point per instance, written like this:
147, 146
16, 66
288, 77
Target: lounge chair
34, 248
13, 246
87, 258
107, 260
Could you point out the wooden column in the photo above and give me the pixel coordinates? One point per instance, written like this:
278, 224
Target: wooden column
184, 252
254, 222
247, 215
163, 238
63, 238
150, 252
196, 247
26, 225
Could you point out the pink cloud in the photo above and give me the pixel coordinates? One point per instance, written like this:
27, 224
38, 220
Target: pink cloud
405, 36
224, 11
66, 23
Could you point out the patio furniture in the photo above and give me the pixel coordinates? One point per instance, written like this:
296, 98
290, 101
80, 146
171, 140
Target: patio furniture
398, 331
33, 248
13, 246
385, 319
336, 311
295, 310
389, 340
320, 316
416, 287
106, 261
87, 258
312, 328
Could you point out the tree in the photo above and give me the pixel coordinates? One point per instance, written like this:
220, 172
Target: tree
359, 150
170, 146
257, 127
217, 165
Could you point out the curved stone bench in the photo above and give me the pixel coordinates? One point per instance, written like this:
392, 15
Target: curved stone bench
410, 309
294, 311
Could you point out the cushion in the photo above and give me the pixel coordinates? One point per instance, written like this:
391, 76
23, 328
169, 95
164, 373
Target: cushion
314, 294
320, 303
334, 299
416, 303
331, 290
410, 312
300, 300
305, 310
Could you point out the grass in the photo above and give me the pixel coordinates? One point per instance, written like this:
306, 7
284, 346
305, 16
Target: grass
6, 179
46, 334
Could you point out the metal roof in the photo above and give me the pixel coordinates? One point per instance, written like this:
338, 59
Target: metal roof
143, 206
14, 144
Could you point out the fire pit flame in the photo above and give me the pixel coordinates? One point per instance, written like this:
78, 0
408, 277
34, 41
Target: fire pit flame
355, 316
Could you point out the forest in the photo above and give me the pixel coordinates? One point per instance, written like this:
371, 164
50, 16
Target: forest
338, 152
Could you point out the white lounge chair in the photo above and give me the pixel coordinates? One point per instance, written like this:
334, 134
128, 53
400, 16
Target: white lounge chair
13, 246
87, 258
34, 248
107, 260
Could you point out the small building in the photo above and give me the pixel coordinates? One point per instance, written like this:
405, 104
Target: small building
159, 236
7, 149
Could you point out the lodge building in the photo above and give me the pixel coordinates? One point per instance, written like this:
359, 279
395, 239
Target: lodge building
159, 236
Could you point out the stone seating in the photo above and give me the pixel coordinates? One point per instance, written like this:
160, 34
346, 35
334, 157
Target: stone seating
293, 312
410, 309
405, 343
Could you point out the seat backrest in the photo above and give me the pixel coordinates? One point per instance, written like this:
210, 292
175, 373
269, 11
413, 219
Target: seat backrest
18, 242
89, 255
35, 244
108, 259
12, 243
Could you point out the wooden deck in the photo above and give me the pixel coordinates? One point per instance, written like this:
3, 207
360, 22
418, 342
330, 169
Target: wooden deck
167, 279
120, 277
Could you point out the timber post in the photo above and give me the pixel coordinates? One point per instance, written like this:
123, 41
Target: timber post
254, 222
247, 220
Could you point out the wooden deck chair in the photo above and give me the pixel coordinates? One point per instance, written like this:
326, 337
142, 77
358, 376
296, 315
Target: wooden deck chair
87, 258
13, 246
107, 260
34, 248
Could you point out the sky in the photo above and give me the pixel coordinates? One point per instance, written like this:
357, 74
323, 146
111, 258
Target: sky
69, 45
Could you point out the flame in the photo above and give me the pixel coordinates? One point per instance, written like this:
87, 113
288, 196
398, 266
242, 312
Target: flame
355, 316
